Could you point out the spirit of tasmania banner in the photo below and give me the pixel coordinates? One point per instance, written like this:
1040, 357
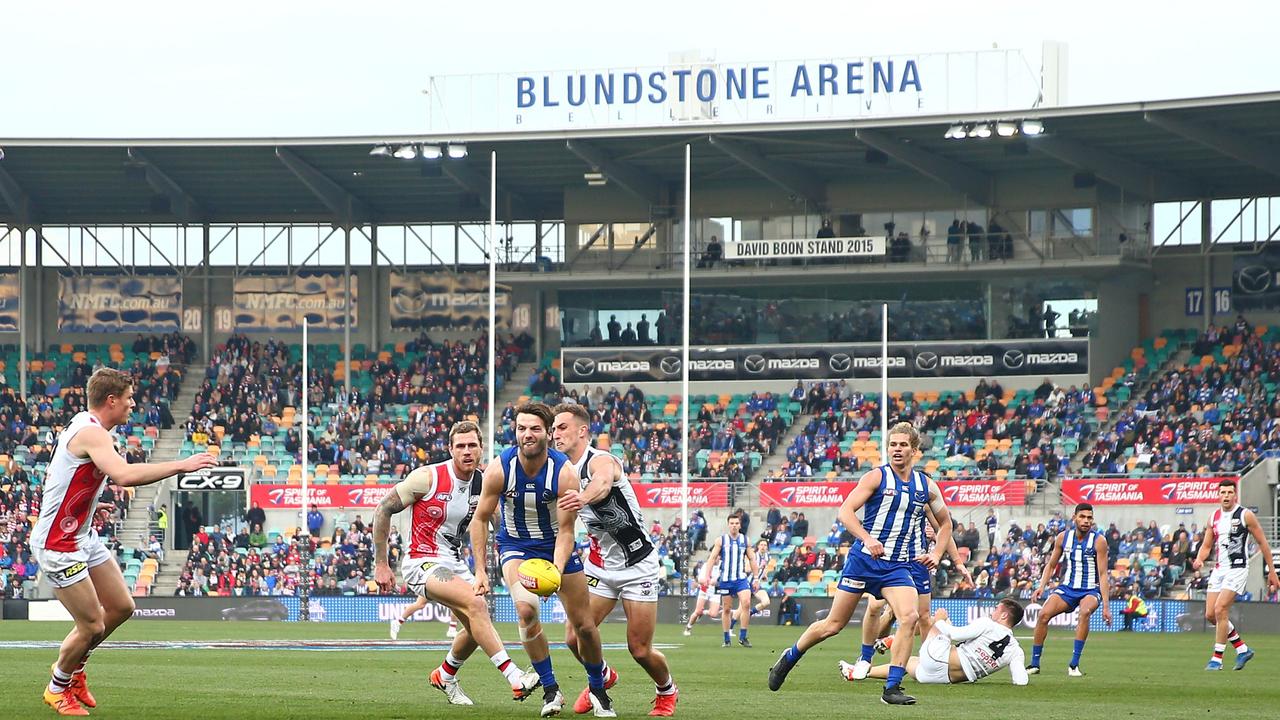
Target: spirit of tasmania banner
119, 303
667, 495
960, 493
440, 300
1143, 491
279, 304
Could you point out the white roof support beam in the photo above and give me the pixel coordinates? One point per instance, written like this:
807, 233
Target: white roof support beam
24, 210
478, 183
1243, 148
779, 172
349, 210
184, 207
1126, 174
965, 180
634, 180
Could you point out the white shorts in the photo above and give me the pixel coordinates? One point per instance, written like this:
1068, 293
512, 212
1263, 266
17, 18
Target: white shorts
64, 569
638, 582
934, 665
1233, 579
705, 593
417, 571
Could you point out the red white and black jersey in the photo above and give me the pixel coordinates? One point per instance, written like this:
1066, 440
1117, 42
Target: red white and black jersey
1232, 537
442, 506
71, 490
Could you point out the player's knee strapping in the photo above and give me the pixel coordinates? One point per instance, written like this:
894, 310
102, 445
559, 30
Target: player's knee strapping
526, 636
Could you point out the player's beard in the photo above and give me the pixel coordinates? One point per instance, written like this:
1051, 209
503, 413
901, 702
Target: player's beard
536, 450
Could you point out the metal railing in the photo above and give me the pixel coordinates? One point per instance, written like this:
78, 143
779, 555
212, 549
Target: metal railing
911, 249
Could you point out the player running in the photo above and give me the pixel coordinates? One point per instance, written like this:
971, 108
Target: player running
442, 497
878, 620
1085, 585
622, 563
707, 603
737, 561
951, 655
1229, 529
892, 497
760, 580
84, 575
529, 480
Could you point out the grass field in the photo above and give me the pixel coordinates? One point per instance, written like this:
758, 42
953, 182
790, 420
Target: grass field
1129, 675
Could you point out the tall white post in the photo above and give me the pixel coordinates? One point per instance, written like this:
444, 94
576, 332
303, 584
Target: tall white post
491, 441
684, 355
884, 383
305, 420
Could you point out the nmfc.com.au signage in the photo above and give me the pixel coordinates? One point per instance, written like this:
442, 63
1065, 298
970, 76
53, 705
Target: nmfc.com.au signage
714, 93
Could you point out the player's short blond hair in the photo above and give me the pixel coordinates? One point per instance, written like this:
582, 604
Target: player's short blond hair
905, 428
106, 382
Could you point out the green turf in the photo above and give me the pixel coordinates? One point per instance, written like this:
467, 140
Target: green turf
1158, 676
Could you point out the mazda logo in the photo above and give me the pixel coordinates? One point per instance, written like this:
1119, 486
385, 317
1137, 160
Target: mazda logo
927, 360
584, 366
754, 364
839, 362
1254, 279
1014, 358
670, 365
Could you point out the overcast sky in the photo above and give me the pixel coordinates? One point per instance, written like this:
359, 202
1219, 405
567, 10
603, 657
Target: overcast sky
168, 69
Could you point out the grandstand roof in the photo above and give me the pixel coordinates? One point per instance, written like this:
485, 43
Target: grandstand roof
1226, 146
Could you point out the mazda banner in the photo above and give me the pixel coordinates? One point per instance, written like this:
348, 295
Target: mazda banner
828, 362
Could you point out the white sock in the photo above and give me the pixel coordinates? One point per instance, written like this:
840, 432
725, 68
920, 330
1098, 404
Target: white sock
60, 680
450, 662
509, 670
403, 620
666, 688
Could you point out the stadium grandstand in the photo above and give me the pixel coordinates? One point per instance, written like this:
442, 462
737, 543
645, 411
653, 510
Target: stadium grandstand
1081, 304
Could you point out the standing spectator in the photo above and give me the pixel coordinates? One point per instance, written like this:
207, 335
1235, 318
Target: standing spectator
315, 521
256, 516
955, 241
642, 329
615, 330
993, 524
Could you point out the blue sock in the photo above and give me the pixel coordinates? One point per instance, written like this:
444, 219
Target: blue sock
1035, 654
543, 668
868, 652
895, 676
742, 633
727, 637
793, 654
734, 622
1075, 653
595, 675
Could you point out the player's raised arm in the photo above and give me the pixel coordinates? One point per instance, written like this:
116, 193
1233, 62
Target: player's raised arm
848, 513
96, 442
401, 496
490, 491
1049, 567
567, 519
1255, 529
943, 517
1206, 546
1104, 577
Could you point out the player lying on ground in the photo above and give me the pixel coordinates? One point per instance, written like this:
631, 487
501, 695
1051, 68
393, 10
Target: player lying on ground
442, 497
952, 654
85, 576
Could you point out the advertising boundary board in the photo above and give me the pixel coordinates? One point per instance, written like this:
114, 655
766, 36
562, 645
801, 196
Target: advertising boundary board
1164, 616
831, 361
977, 493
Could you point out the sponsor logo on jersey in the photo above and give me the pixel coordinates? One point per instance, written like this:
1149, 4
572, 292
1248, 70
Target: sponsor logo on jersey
72, 571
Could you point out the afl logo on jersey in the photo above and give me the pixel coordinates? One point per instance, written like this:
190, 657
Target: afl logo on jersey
443, 496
